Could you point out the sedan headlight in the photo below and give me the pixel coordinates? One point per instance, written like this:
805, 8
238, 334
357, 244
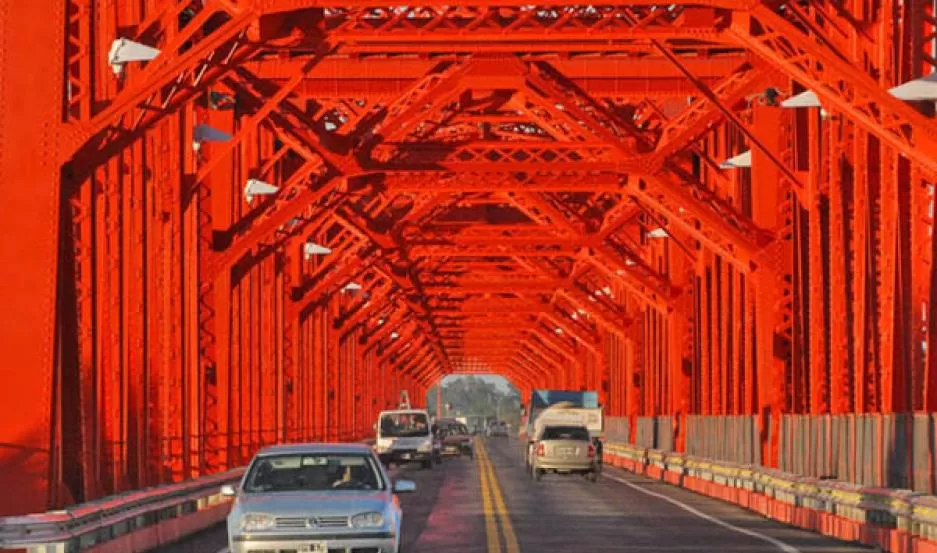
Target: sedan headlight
367, 520
252, 522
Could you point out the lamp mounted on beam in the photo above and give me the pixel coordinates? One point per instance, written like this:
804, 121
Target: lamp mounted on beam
256, 187
207, 133
743, 160
351, 288
311, 249
917, 90
124, 51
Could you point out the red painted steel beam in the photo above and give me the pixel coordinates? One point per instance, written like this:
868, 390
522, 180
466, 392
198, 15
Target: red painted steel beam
530, 190
29, 146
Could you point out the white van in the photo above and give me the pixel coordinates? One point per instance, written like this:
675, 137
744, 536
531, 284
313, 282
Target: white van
404, 436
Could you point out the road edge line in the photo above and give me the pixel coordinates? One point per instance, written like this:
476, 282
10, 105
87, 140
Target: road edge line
785, 547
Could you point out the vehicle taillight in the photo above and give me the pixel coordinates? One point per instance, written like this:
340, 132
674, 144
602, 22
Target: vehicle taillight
541, 451
591, 450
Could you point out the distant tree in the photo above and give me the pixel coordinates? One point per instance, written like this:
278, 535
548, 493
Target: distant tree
473, 396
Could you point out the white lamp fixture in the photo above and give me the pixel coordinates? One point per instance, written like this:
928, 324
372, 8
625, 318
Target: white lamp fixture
558, 330
207, 133
124, 50
256, 187
738, 162
394, 335
918, 90
311, 248
658, 233
351, 287
806, 99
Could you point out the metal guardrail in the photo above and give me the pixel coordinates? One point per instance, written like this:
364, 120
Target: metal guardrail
83, 526
869, 511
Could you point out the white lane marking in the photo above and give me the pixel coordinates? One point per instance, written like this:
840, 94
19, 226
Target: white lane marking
775, 542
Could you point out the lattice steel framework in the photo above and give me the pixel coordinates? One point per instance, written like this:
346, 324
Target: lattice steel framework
532, 190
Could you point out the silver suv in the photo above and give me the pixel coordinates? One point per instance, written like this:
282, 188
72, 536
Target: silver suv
564, 450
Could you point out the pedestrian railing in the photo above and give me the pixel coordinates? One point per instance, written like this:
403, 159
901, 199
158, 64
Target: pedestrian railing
130, 522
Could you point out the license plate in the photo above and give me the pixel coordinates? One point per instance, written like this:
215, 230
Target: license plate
567, 451
405, 456
317, 547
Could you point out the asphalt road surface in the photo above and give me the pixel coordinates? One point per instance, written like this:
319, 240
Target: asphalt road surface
489, 505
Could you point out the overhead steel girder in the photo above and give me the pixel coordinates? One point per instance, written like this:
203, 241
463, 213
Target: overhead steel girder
663, 183
278, 6
387, 78
345, 267
699, 118
535, 368
293, 197
714, 232
420, 309
536, 358
524, 373
509, 24
502, 181
425, 374
555, 249
509, 307
424, 354
407, 339
589, 341
730, 115
815, 66
496, 287
393, 323
267, 105
534, 342
368, 308
616, 70
381, 298
500, 156
651, 287
132, 103
551, 342
426, 95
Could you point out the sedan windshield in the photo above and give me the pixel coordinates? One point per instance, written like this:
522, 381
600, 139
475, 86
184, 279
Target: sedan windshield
565, 433
402, 425
313, 472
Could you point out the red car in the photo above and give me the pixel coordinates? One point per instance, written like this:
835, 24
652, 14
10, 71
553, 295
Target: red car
456, 440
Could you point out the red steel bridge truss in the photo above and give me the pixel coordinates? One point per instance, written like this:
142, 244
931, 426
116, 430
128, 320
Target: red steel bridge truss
259, 220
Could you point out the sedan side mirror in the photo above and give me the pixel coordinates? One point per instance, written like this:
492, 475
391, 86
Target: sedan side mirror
228, 490
404, 486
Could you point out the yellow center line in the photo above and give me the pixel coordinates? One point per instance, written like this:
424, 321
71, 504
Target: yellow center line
510, 537
491, 524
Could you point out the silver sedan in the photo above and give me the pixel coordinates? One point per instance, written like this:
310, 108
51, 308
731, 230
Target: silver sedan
316, 498
564, 450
